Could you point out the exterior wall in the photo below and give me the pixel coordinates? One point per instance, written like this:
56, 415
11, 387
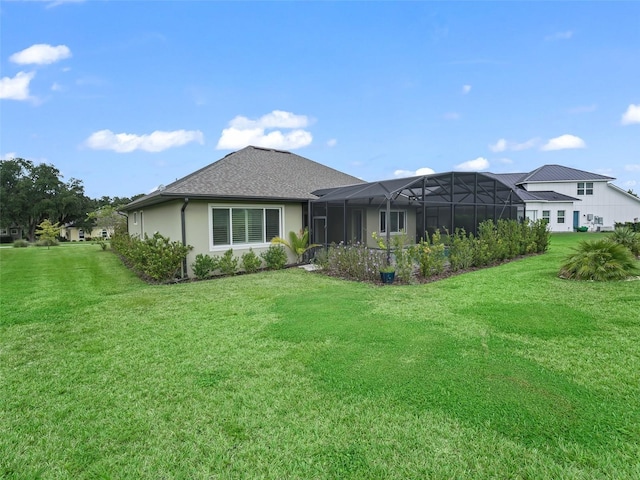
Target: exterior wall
165, 218
373, 224
73, 234
607, 202
535, 209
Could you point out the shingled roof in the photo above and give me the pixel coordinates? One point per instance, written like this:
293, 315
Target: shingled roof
558, 173
253, 173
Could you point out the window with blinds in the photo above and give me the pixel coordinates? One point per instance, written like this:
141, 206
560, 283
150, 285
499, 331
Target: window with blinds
245, 225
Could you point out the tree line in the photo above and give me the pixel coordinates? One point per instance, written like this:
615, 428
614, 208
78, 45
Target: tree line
31, 193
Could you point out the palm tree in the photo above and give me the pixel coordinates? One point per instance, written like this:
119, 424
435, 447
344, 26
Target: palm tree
298, 243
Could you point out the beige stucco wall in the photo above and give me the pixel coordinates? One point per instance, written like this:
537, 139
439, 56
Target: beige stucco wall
373, 224
165, 218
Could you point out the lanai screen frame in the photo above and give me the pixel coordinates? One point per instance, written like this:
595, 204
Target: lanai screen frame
448, 198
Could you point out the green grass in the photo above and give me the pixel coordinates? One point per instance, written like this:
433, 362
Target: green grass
507, 372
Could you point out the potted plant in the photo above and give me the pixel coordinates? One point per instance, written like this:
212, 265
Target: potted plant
387, 274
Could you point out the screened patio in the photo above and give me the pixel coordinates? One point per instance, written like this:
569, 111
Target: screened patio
415, 206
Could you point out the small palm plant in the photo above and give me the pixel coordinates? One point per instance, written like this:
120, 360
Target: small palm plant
298, 243
602, 260
627, 237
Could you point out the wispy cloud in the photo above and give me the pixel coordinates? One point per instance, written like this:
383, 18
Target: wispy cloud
632, 167
243, 131
503, 145
9, 156
632, 115
466, 89
583, 109
16, 88
564, 142
332, 142
41, 54
475, 165
154, 142
451, 116
559, 36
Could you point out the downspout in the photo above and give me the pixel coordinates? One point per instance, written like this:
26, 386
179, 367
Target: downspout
388, 226
183, 225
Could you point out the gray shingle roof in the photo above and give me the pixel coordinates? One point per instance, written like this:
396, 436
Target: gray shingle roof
558, 173
253, 173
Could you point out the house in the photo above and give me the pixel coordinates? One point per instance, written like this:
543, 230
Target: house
241, 201
570, 199
10, 234
74, 233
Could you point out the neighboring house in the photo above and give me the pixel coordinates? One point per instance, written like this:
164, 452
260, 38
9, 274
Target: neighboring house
73, 233
241, 201
10, 234
569, 198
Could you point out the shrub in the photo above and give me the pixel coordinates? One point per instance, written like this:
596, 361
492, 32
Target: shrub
541, 235
275, 257
228, 264
403, 257
155, 257
204, 265
251, 262
461, 250
20, 243
624, 235
430, 256
602, 260
355, 262
47, 242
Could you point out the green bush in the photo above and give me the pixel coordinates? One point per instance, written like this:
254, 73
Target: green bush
47, 242
461, 250
355, 262
625, 235
403, 257
204, 265
430, 256
228, 264
157, 257
275, 257
602, 260
20, 243
251, 263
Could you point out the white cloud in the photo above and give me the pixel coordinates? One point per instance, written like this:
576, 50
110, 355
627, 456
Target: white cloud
413, 173
632, 167
332, 142
243, 131
476, 165
502, 145
275, 119
632, 115
560, 35
56, 87
506, 161
155, 142
9, 156
452, 116
564, 142
583, 109
16, 88
466, 89
41, 54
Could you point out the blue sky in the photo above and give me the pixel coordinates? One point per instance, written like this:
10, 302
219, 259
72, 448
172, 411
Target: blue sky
130, 95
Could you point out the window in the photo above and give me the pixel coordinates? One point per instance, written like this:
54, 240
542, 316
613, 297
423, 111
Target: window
135, 218
4, 232
546, 216
244, 226
532, 215
14, 231
104, 233
396, 221
585, 188
560, 216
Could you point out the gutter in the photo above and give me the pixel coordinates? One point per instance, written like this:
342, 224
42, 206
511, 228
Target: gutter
183, 226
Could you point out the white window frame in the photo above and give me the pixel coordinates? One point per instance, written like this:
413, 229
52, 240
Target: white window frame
585, 188
135, 218
561, 218
231, 244
546, 215
400, 230
4, 232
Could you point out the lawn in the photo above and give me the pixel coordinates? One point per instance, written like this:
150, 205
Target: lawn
508, 372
